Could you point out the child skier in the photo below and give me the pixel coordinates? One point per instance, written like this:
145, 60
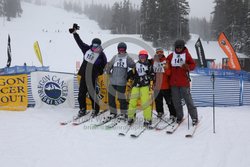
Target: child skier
142, 75
161, 86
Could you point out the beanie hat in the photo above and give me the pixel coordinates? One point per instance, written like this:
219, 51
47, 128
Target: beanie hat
179, 43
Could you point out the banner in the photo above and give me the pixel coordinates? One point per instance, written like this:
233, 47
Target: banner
53, 89
200, 54
38, 52
14, 92
233, 62
8, 52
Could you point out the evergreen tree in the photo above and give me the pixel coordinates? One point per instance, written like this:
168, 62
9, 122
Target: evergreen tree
232, 18
12, 8
164, 21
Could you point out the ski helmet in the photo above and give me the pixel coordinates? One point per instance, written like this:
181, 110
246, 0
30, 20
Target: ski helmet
179, 43
143, 54
122, 46
96, 41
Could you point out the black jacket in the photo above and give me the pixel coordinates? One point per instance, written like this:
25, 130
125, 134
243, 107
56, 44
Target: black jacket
96, 68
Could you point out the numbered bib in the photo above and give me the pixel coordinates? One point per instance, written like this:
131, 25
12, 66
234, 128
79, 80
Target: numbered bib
121, 62
159, 66
141, 69
178, 60
90, 56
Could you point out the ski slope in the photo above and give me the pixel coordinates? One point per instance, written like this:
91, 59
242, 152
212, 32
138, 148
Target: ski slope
34, 138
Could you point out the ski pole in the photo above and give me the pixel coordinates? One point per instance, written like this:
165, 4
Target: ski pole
213, 80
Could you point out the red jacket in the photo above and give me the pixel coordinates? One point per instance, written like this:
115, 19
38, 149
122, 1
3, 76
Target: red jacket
162, 76
180, 74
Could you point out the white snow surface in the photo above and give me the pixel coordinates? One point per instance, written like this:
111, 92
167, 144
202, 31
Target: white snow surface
34, 138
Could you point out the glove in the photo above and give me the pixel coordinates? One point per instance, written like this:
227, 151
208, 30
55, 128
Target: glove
75, 27
185, 67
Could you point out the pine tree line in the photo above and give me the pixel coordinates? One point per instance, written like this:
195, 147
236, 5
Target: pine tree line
121, 18
10, 8
233, 18
164, 21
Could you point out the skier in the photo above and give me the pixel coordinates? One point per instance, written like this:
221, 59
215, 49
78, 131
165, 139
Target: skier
161, 85
181, 64
142, 74
117, 69
94, 61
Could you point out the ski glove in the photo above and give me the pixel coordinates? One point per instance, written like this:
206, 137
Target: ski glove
185, 67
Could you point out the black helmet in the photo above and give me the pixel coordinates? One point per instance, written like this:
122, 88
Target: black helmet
96, 41
122, 45
179, 43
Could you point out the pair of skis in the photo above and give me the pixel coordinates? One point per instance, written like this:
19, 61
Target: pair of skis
81, 120
138, 131
190, 133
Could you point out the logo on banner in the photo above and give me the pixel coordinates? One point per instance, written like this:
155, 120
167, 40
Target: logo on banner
52, 90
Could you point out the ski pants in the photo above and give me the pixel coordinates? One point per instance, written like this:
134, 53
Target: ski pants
82, 94
141, 93
165, 94
120, 90
183, 92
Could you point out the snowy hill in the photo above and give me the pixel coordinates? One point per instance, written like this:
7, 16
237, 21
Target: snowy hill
35, 138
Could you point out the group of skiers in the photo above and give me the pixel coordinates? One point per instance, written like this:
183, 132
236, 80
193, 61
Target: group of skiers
168, 76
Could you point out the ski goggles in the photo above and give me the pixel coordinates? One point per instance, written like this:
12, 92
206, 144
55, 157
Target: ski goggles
121, 50
95, 45
143, 56
159, 52
179, 47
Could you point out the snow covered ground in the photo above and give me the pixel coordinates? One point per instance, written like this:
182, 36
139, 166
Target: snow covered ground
34, 138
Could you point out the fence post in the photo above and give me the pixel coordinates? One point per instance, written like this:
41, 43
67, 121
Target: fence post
241, 89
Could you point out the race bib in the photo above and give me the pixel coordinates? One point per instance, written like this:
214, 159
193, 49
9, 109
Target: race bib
141, 69
91, 57
178, 60
121, 62
159, 66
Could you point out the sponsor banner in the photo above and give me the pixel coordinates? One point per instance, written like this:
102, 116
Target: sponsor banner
52, 89
200, 54
233, 62
14, 92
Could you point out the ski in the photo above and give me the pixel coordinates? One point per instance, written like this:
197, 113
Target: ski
192, 131
75, 118
88, 118
164, 124
125, 130
105, 121
174, 127
138, 132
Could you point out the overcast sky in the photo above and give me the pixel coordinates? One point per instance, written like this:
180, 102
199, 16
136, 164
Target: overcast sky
198, 8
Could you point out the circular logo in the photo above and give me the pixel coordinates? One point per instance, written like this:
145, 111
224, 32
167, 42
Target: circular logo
52, 90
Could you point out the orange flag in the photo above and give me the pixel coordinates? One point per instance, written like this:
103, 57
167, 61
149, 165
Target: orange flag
233, 62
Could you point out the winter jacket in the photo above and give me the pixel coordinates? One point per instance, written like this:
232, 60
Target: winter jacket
118, 68
162, 73
181, 64
95, 67
142, 74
